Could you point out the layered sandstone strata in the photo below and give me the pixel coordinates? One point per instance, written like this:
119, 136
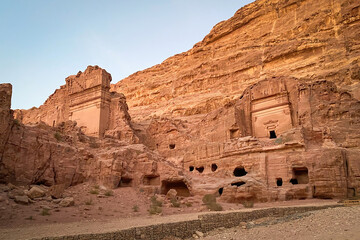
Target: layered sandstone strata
5, 112
288, 139
265, 108
301, 39
85, 99
89, 97
64, 155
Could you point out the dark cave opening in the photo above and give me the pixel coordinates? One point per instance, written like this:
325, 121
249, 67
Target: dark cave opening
239, 172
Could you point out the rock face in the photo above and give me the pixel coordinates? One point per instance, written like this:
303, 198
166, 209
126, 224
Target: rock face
265, 108
62, 156
87, 100
301, 39
90, 100
5, 113
300, 132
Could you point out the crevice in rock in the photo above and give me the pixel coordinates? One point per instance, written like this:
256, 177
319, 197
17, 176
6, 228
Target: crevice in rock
238, 184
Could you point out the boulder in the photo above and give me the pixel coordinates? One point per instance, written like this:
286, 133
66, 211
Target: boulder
22, 200
67, 202
36, 192
200, 234
171, 194
56, 191
15, 192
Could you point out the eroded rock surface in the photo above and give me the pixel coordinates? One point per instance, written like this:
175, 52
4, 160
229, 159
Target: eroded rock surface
265, 108
301, 39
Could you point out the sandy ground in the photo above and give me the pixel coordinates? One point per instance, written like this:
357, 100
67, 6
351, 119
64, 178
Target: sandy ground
336, 223
95, 213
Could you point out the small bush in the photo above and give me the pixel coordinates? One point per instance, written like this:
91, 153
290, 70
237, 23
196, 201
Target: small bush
155, 202
209, 198
97, 187
94, 191
155, 210
214, 206
109, 193
58, 136
45, 212
174, 203
210, 201
30, 218
155, 206
248, 204
89, 202
135, 208
188, 204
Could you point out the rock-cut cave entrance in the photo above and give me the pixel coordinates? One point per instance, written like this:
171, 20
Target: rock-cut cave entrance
151, 180
200, 169
179, 186
238, 184
239, 172
300, 175
272, 134
125, 182
220, 191
214, 167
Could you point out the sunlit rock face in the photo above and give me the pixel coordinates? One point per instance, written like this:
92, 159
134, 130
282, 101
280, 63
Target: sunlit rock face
265, 108
85, 99
301, 39
90, 100
287, 140
64, 155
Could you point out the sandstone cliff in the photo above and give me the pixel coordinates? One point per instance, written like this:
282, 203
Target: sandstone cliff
303, 39
265, 108
41, 154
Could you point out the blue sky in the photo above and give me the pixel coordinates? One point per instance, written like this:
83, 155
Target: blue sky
44, 41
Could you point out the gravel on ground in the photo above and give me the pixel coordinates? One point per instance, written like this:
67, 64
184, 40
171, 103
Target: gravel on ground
333, 223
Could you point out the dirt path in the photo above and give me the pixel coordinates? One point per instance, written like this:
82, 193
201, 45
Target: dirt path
102, 226
334, 223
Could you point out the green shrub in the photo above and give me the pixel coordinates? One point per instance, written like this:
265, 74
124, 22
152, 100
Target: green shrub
188, 204
89, 202
30, 218
214, 206
209, 198
155, 202
94, 191
248, 204
155, 206
210, 201
109, 193
174, 202
135, 208
58, 136
97, 187
155, 210
45, 212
